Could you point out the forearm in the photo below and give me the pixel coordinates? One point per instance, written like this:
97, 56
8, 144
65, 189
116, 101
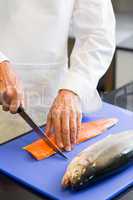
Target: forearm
94, 30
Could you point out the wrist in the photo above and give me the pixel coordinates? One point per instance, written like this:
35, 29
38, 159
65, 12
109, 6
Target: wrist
5, 65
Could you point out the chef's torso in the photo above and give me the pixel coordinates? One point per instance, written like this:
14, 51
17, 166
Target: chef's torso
35, 31
33, 35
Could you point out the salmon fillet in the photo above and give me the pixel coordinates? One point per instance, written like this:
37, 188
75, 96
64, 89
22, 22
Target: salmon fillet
40, 150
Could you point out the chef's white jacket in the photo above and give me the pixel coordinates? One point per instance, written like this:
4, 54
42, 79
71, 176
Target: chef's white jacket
34, 34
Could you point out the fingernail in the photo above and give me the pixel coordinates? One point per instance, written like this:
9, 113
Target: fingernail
68, 148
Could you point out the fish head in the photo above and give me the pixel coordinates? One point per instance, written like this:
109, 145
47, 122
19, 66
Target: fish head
78, 174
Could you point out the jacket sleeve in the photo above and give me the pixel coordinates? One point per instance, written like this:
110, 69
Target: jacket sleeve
2, 57
93, 25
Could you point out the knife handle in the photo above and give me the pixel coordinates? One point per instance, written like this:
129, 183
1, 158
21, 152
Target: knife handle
20, 109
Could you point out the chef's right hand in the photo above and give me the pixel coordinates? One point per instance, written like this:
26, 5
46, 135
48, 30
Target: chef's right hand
11, 92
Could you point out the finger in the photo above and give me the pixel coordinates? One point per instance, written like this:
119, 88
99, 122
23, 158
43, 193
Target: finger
16, 99
15, 104
65, 130
48, 125
5, 101
79, 118
57, 128
73, 128
8, 95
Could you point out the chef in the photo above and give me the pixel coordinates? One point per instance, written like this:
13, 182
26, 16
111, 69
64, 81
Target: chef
33, 39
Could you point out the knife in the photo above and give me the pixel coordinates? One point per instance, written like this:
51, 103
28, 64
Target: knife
38, 130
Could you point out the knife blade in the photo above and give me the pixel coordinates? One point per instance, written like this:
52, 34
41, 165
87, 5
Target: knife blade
40, 133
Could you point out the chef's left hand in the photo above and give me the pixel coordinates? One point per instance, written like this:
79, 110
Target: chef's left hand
64, 119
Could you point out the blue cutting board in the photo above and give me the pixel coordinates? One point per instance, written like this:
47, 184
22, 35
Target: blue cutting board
45, 176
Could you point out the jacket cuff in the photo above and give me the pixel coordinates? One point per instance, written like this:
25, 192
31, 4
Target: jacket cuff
3, 58
74, 82
90, 99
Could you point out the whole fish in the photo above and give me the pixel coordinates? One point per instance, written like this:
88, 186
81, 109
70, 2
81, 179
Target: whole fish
100, 160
